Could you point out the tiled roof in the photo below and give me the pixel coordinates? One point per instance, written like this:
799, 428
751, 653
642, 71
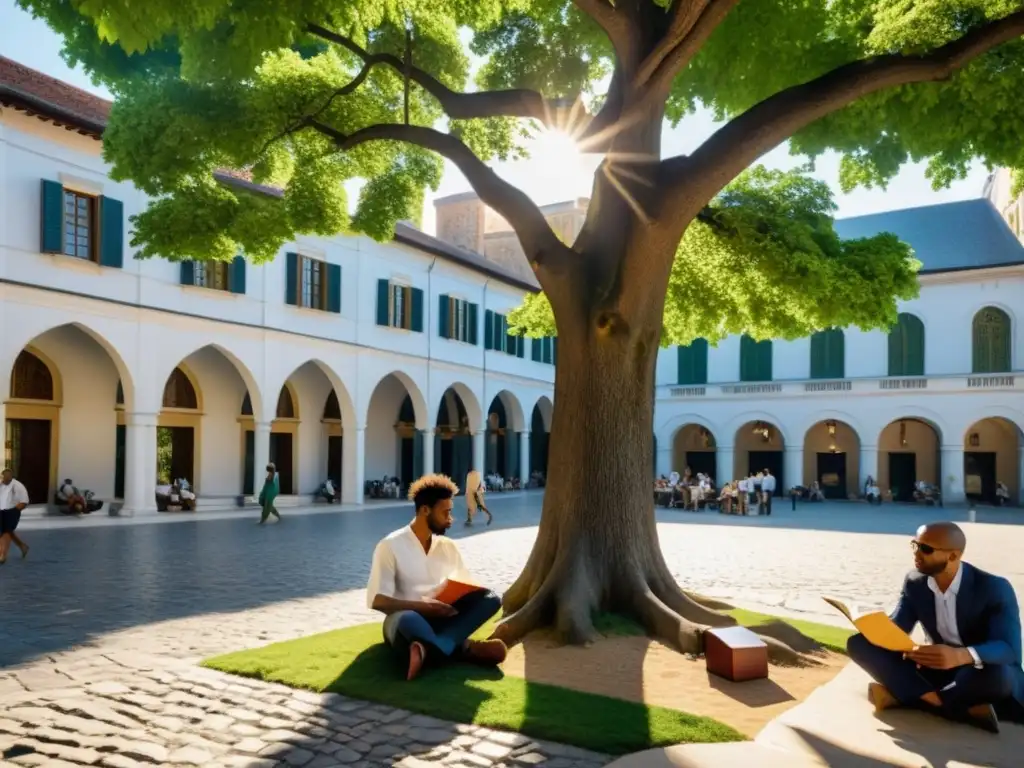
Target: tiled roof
946, 237
46, 97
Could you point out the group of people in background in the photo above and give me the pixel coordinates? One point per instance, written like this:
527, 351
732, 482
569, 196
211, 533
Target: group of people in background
751, 495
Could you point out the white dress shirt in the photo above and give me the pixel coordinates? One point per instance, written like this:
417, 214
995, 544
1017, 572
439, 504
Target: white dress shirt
12, 494
768, 484
402, 570
945, 614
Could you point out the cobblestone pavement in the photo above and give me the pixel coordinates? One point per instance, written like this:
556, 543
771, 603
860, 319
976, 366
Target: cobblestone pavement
102, 626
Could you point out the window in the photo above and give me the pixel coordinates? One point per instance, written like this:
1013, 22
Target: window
693, 362
990, 341
285, 404
544, 350
312, 283
212, 274
79, 225
179, 392
755, 359
497, 337
399, 306
906, 346
30, 378
457, 319
828, 354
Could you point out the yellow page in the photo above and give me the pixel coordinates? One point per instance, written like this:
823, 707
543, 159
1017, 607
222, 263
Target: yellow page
880, 630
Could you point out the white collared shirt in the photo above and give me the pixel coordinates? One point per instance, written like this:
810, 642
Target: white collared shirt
945, 613
402, 570
768, 483
12, 494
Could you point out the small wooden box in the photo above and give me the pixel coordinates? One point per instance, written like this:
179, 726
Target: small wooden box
736, 654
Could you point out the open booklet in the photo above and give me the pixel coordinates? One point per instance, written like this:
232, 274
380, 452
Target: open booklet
876, 627
452, 590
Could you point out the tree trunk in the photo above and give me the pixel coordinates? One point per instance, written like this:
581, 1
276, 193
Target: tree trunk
597, 548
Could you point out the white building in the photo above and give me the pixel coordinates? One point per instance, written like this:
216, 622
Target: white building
343, 357
937, 399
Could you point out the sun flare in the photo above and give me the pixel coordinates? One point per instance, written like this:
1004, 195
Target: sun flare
556, 163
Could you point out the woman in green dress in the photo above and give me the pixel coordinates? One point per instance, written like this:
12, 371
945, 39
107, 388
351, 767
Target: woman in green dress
269, 494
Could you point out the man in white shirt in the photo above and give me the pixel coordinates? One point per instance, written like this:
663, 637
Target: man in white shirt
767, 490
409, 567
13, 499
971, 668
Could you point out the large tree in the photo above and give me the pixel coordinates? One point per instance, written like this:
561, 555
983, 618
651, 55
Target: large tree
306, 95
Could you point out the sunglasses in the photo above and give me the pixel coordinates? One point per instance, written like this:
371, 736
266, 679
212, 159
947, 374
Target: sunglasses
926, 549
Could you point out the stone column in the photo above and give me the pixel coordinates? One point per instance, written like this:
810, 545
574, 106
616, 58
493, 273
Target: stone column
261, 453
524, 459
1020, 461
663, 459
427, 438
868, 466
354, 466
479, 446
139, 464
952, 479
793, 467
725, 465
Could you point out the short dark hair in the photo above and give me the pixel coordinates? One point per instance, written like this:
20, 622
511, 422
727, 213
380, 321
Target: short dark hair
430, 489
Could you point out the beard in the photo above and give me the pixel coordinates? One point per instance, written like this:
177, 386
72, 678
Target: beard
930, 569
438, 529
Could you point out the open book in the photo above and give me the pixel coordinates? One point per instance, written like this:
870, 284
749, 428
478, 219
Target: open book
452, 590
877, 627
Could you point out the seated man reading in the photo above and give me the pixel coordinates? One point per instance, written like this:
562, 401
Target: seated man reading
971, 670
409, 567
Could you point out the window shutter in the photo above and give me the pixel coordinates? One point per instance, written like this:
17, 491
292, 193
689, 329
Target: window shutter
898, 349
443, 304
520, 346
536, 350
765, 365
488, 329
334, 288
836, 354
417, 311
913, 346
382, 302
819, 353
471, 309
291, 279
51, 219
748, 359
237, 280
700, 361
188, 273
111, 218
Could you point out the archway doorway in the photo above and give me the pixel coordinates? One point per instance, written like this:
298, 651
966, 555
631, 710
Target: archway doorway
832, 458
540, 438
694, 448
908, 453
992, 449
32, 423
284, 432
504, 439
759, 446
453, 440
393, 444
177, 431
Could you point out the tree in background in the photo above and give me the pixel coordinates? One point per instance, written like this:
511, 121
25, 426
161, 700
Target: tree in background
301, 97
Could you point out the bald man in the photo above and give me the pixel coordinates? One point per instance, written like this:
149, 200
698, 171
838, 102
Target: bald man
971, 668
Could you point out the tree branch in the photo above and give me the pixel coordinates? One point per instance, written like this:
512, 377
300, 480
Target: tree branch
682, 15
520, 102
764, 126
609, 19
543, 248
688, 31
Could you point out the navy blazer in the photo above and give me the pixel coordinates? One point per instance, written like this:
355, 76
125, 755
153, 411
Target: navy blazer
987, 617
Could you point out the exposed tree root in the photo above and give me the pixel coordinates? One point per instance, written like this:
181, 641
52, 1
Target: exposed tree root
707, 602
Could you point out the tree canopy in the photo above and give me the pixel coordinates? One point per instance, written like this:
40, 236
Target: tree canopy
302, 97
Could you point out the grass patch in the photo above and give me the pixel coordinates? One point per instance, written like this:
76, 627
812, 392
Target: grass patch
355, 663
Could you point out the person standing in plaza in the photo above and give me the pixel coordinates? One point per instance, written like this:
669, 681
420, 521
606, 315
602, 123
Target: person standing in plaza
475, 497
767, 490
269, 494
13, 499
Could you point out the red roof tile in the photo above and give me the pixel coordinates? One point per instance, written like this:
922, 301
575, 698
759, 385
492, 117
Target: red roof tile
24, 88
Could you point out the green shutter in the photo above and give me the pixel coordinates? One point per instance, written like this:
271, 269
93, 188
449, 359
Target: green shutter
819, 355
416, 323
991, 341
693, 362
828, 353
383, 291
334, 288
291, 279
442, 317
472, 320
237, 280
765, 360
548, 350
51, 220
536, 350
188, 273
111, 232
913, 345
521, 346
755, 359
488, 329
898, 348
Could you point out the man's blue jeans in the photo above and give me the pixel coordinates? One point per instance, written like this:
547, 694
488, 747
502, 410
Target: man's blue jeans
958, 688
442, 637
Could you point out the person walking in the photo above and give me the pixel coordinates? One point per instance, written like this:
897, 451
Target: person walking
13, 499
767, 491
269, 494
475, 497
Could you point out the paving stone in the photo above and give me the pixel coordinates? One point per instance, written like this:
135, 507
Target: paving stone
216, 722
145, 750
189, 755
109, 689
250, 745
491, 750
385, 751
120, 761
530, 758
432, 735
345, 755
245, 729
274, 722
507, 738
467, 759
244, 715
413, 762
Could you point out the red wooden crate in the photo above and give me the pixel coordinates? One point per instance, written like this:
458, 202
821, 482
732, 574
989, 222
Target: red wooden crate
736, 654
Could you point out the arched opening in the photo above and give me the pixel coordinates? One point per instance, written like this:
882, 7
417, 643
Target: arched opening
178, 430
992, 450
694, 448
334, 433
832, 458
991, 344
394, 445
540, 437
32, 422
759, 446
504, 439
453, 440
908, 453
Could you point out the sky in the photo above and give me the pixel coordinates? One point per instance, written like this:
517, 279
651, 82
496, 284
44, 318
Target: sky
555, 172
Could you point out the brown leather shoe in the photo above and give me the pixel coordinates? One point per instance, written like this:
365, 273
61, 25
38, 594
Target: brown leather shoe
983, 716
487, 653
